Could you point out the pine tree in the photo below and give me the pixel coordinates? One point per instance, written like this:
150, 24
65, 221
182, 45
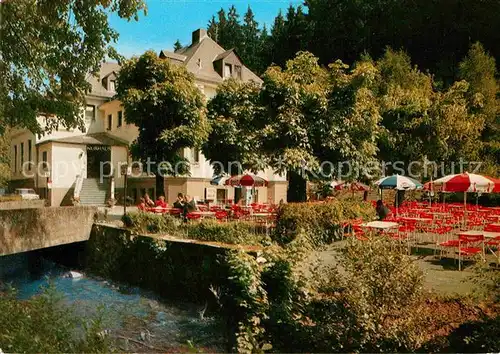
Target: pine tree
233, 30
221, 28
177, 46
249, 48
213, 29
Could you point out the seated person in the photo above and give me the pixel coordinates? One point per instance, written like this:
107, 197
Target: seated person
382, 210
190, 204
179, 203
142, 204
161, 202
149, 202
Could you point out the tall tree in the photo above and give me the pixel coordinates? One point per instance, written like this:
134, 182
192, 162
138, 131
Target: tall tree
162, 100
236, 117
48, 48
233, 30
478, 68
213, 29
316, 115
177, 45
5, 150
250, 45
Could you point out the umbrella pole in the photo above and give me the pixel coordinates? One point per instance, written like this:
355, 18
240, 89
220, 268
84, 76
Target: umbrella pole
397, 202
465, 209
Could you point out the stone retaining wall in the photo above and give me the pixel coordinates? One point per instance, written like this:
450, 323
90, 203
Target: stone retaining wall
22, 204
24, 230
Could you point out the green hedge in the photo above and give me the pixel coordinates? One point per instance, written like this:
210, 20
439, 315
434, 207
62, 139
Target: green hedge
321, 221
234, 232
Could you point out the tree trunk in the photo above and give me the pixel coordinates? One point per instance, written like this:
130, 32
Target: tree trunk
297, 187
160, 185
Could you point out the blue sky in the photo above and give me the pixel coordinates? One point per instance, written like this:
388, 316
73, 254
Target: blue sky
169, 20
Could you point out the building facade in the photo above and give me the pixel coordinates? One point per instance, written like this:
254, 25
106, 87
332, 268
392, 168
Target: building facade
69, 164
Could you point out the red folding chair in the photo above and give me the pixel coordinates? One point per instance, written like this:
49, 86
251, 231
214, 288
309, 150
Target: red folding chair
469, 246
494, 248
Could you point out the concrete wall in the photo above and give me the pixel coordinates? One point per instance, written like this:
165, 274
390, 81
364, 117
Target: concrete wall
119, 154
24, 230
22, 204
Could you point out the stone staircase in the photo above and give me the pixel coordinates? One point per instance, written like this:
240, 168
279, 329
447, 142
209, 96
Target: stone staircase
93, 192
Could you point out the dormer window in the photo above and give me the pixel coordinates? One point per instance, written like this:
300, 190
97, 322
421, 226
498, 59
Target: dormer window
228, 70
237, 71
112, 85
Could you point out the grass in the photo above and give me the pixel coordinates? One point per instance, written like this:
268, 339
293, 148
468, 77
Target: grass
441, 275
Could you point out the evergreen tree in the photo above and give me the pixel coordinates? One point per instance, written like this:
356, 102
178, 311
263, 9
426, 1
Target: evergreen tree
233, 31
213, 29
250, 46
177, 46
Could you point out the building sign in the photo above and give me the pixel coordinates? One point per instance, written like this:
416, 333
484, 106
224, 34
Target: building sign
210, 193
98, 148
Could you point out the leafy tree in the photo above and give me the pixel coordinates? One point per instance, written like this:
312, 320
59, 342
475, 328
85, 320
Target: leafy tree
479, 69
405, 96
48, 48
236, 118
177, 46
162, 100
4, 158
315, 115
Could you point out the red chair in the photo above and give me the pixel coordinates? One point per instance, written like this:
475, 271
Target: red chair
221, 215
469, 246
193, 216
494, 248
175, 212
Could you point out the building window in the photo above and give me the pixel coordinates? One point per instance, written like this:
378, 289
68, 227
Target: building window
110, 121
228, 70
45, 166
195, 155
15, 158
90, 113
22, 155
120, 117
112, 85
29, 154
237, 71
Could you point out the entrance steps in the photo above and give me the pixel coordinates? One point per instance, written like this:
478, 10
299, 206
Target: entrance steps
93, 192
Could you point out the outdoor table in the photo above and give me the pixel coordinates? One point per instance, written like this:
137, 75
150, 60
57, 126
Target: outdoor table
408, 218
486, 234
205, 214
158, 210
381, 225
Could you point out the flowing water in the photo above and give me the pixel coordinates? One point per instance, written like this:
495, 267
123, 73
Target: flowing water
137, 320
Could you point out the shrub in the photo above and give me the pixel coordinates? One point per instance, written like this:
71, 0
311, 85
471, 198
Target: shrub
239, 233
141, 222
43, 325
322, 222
368, 303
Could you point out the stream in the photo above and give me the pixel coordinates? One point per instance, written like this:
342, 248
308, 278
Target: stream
138, 320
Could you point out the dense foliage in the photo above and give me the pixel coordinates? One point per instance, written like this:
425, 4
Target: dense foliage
334, 29
4, 158
162, 100
43, 325
320, 223
48, 50
233, 232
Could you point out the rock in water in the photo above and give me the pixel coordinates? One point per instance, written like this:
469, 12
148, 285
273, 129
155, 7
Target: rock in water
75, 275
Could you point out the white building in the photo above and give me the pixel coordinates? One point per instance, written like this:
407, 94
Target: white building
68, 163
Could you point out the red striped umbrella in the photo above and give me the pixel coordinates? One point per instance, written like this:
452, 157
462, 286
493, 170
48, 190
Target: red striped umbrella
464, 182
247, 180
